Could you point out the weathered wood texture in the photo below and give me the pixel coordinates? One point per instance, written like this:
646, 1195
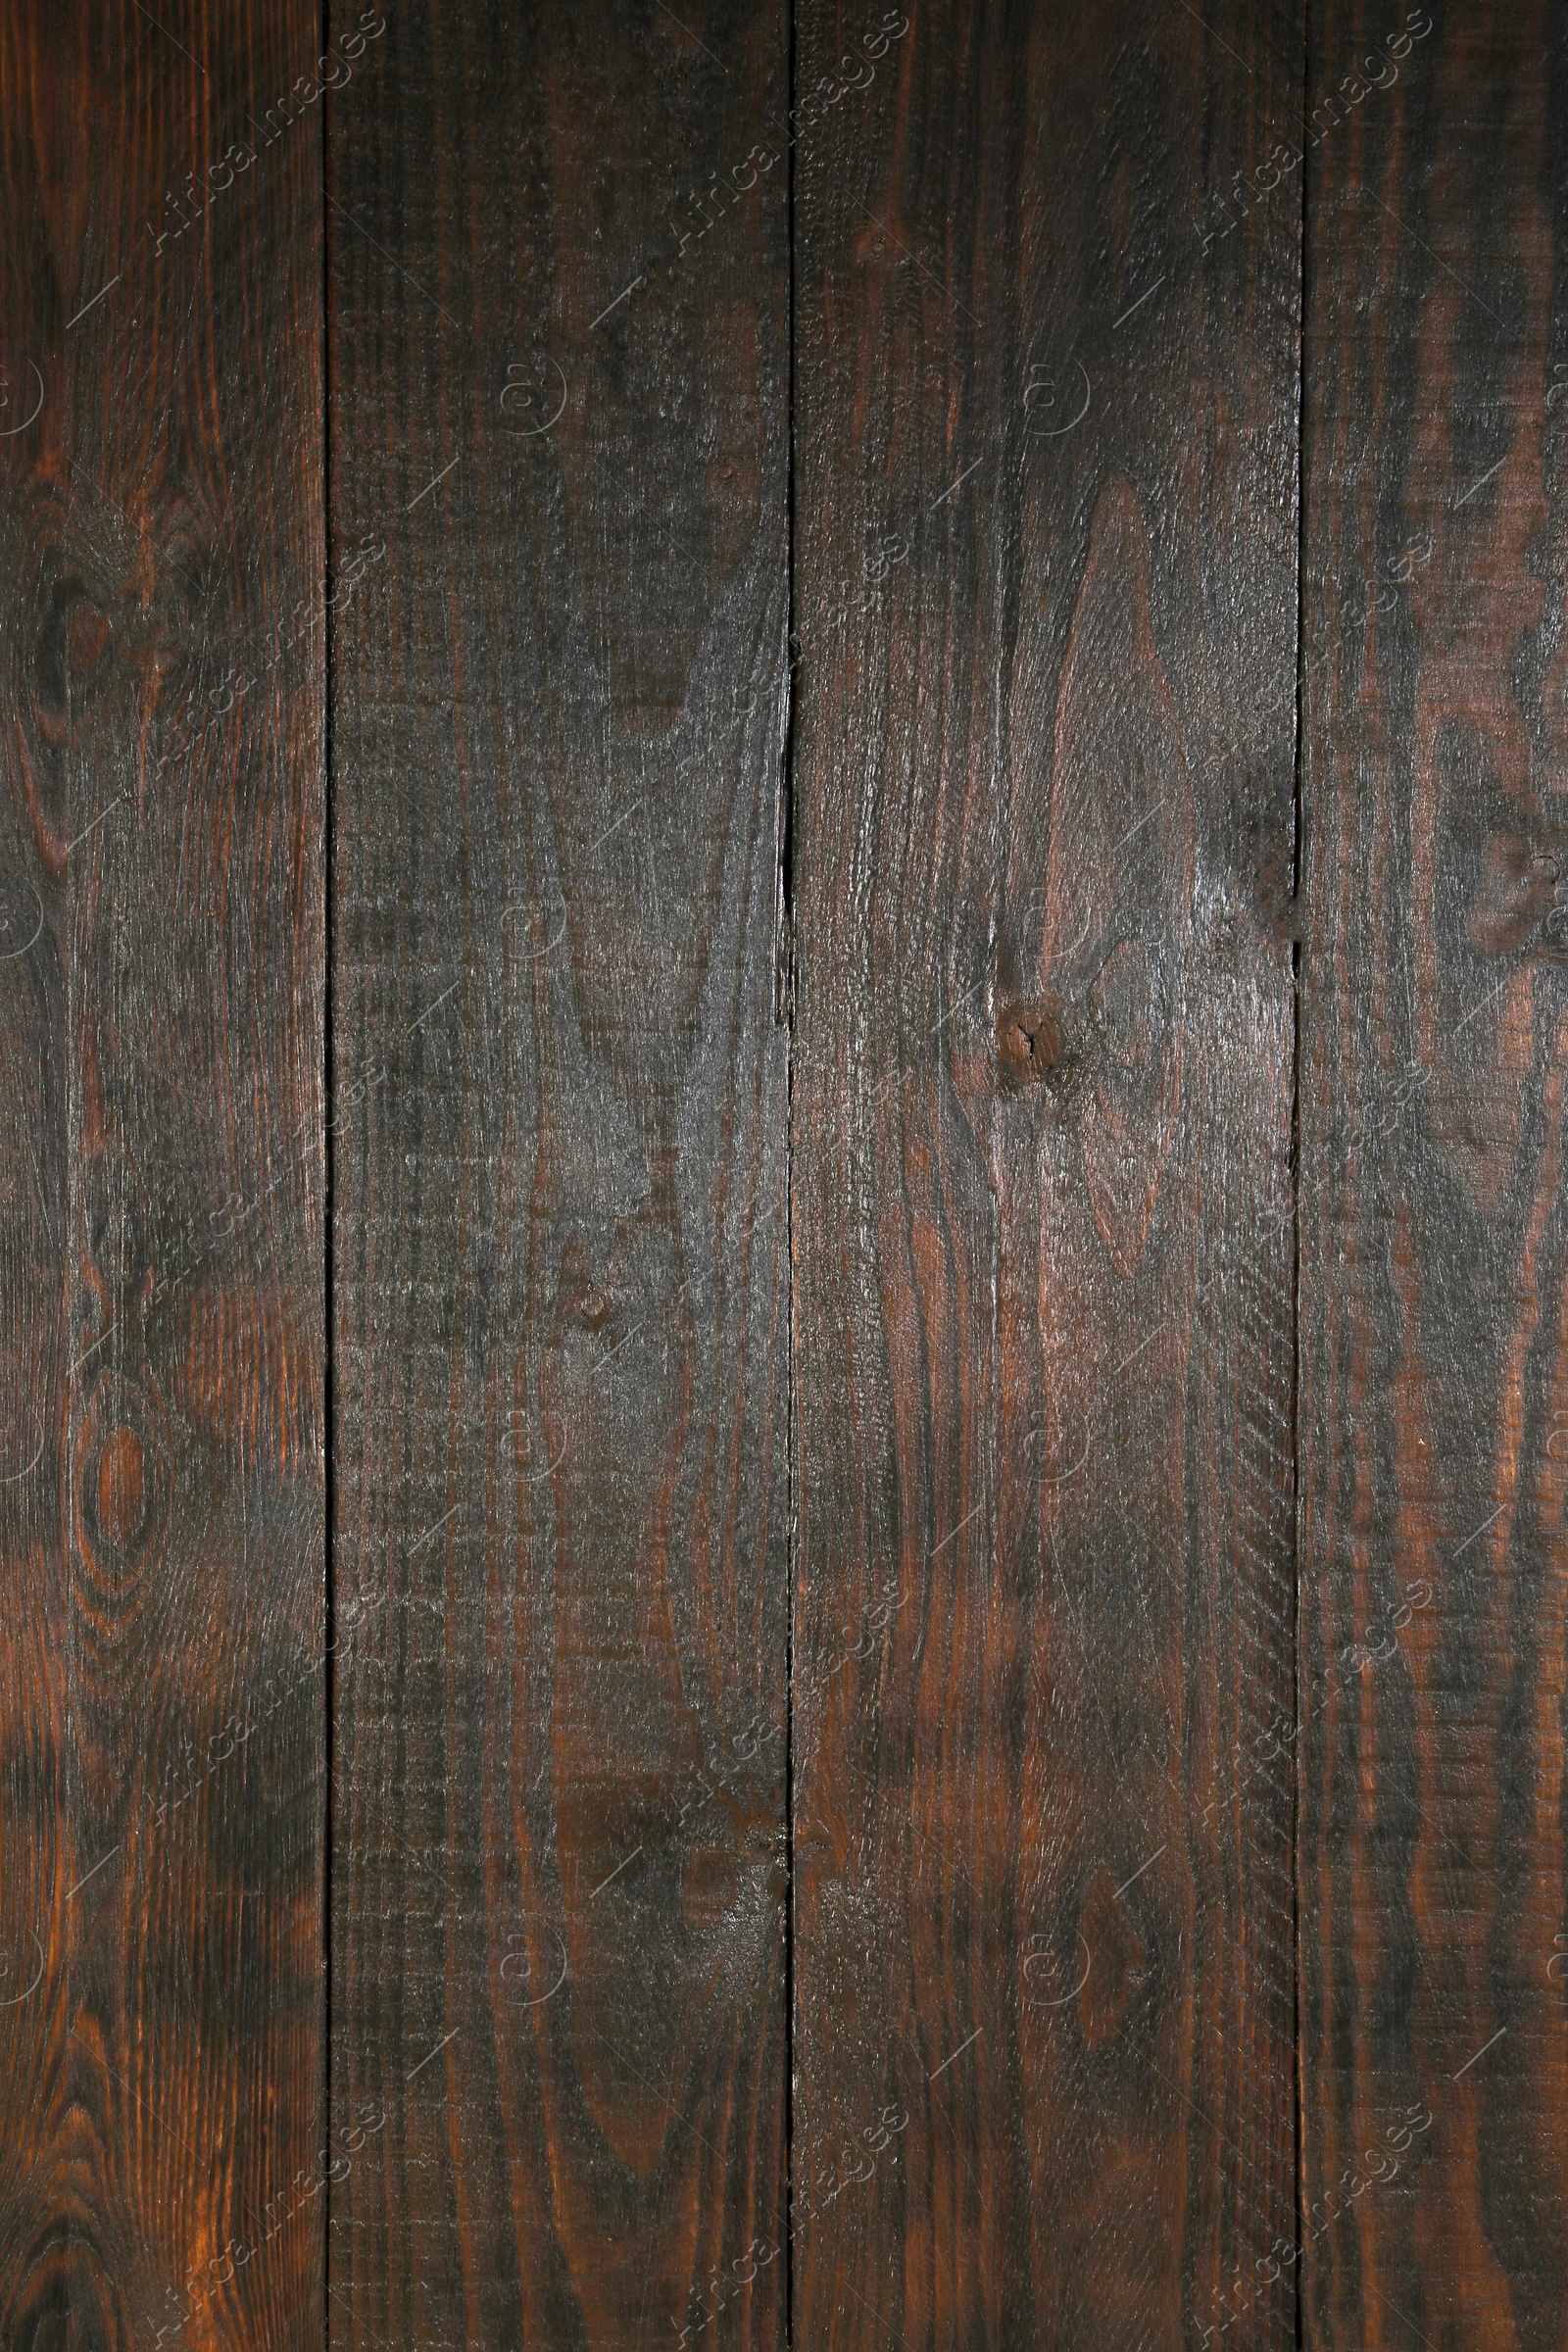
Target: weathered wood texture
161, 1019
1434, 1435
1047, 349
558, 443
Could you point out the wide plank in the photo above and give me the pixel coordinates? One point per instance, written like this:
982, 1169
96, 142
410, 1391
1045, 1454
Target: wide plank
557, 285
1434, 1429
1046, 365
162, 909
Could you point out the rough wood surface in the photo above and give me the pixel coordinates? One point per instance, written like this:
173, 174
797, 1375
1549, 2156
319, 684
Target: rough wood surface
1434, 1436
559, 469
966, 1066
161, 1022
1047, 342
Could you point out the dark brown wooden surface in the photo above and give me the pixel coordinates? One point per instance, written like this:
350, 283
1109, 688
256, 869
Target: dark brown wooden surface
560, 439
162, 904
1047, 355
1434, 1433
944, 1679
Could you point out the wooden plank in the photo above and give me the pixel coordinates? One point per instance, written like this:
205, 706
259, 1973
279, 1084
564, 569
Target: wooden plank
160, 520
559, 445
1435, 1380
1048, 334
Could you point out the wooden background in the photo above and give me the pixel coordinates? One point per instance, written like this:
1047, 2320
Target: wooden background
783, 1377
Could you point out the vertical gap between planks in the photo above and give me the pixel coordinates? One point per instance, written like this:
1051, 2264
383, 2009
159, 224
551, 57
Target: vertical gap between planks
1295, 1191
328, 842
788, 955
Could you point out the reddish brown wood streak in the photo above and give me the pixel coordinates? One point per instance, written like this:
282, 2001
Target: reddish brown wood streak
160, 512
560, 1254
1119, 877
1047, 1710
1432, 1207
1043, 1303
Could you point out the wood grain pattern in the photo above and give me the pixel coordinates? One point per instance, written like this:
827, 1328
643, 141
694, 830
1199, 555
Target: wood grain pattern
161, 876
1047, 327
559, 437
934, 1020
1435, 1016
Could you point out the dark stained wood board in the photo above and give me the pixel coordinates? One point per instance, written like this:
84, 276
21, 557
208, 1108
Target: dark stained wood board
558, 525
162, 2067
1434, 1407
1053, 1910
1047, 275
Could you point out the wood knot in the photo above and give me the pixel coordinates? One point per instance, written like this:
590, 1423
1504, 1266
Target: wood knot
580, 1299
1029, 1042
121, 1468
74, 644
709, 1886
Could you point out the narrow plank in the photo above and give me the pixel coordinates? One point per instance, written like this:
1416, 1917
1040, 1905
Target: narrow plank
1434, 1022
36, 1859
1047, 341
559, 477
161, 524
